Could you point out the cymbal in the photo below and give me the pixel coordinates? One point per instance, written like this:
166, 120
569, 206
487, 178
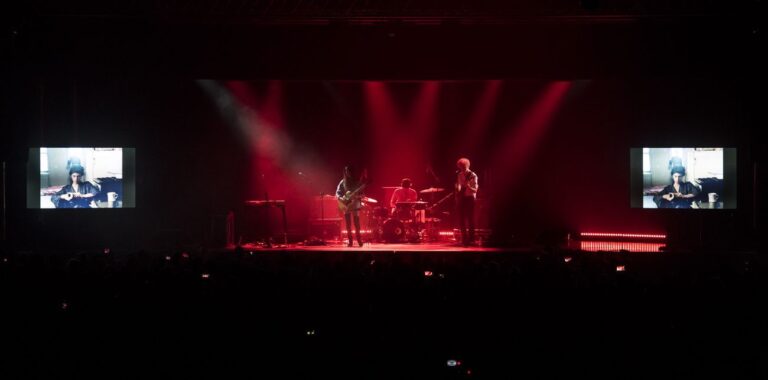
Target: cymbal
432, 190
416, 203
369, 200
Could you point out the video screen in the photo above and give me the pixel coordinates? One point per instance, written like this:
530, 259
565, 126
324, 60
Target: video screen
64, 178
683, 178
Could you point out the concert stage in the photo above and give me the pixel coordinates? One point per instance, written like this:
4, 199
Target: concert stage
372, 247
640, 245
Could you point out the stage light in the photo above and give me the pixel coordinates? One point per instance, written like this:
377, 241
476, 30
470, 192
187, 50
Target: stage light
517, 146
389, 124
205, 276
480, 121
64, 306
623, 235
185, 255
427, 273
106, 251
259, 120
452, 363
621, 242
619, 246
567, 259
167, 258
310, 332
621, 268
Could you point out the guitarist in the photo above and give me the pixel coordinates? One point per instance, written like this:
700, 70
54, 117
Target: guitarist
348, 193
466, 194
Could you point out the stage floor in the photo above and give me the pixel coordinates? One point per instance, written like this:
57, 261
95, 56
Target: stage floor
337, 246
372, 247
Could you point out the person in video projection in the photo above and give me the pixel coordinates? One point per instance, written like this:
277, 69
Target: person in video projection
680, 194
77, 193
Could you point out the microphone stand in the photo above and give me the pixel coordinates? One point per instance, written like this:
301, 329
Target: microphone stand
268, 240
4, 207
320, 203
322, 217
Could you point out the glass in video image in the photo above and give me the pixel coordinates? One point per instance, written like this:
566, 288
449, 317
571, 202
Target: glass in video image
683, 178
84, 178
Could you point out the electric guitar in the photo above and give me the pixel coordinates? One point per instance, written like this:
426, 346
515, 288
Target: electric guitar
454, 194
348, 198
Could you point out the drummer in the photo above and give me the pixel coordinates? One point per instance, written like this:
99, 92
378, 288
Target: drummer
403, 194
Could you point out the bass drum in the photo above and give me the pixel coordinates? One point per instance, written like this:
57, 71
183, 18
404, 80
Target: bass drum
393, 231
381, 212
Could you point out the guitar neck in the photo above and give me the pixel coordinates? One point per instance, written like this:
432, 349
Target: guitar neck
445, 198
354, 192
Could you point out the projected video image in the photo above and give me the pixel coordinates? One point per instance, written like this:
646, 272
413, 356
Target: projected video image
687, 178
82, 178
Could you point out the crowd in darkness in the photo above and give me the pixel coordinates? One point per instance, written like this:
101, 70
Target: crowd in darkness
238, 313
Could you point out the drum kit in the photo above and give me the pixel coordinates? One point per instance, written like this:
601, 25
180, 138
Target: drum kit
408, 222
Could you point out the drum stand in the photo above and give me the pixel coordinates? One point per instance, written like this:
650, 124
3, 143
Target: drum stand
431, 231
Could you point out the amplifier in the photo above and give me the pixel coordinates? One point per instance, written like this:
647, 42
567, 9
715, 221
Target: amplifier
325, 229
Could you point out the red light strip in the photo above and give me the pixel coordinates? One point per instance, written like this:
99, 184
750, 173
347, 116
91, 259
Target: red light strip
615, 246
361, 232
623, 235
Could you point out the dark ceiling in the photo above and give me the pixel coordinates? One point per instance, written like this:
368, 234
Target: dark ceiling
383, 39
